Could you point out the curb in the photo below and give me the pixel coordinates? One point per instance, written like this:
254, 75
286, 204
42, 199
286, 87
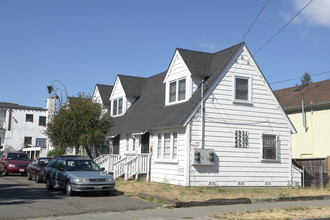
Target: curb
179, 204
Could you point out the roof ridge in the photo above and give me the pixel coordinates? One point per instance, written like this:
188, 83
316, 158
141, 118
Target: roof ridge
131, 76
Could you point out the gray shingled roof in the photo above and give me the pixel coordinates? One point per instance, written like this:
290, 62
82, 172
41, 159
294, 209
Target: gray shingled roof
105, 92
149, 111
7, 105
132, 85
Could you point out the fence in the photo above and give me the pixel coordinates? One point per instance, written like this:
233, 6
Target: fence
315, 176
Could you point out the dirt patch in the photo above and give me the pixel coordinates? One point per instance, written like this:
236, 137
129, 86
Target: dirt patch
294, 213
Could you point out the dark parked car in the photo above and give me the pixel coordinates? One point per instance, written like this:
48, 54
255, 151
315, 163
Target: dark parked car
36, 169
77, 174
13, 162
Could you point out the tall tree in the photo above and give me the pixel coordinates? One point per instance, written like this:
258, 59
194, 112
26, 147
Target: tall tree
79, 124
306, 78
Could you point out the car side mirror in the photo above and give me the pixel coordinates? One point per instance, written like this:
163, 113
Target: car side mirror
102, 168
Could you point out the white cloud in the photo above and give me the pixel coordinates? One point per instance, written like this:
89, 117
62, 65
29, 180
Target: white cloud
317, 13
210, 47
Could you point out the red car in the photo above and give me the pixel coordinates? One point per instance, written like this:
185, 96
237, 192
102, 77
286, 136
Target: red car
36, 169
13, 162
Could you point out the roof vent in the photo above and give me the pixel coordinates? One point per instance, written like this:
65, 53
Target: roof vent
299, 88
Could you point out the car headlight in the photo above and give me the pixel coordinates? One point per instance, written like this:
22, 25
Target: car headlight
109, 180
11, 165
80, 180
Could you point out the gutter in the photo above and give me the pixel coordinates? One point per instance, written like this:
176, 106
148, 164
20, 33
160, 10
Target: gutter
296, 108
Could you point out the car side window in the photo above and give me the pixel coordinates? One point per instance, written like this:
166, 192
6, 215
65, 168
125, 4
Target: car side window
52, 163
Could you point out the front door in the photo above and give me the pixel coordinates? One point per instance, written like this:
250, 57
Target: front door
145, 143
116, 144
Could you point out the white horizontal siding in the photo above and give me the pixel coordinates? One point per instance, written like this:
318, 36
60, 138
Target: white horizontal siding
166, 171
235, 166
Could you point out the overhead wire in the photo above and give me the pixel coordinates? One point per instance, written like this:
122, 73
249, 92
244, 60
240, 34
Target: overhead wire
263, 7
267, 42
287, 80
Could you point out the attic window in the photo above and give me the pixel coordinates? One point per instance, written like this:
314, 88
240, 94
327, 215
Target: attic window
242, 89
177, 90
117, 107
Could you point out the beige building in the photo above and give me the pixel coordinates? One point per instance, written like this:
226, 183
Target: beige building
308, 107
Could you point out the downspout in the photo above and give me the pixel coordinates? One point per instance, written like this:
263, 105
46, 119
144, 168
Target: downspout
10, 118
202, 115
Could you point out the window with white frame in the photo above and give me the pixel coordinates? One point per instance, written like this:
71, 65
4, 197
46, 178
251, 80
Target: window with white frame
167, 147
241, 139
242, 89
41, 142
117, 106
269, 147
177, 91
127, 142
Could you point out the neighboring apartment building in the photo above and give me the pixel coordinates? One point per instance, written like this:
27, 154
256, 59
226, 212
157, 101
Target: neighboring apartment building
211, 119
308, 107
22, 128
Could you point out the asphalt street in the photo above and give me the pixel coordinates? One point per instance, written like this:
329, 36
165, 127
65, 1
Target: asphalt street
20, 198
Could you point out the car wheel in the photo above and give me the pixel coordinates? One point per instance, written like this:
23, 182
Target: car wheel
49, 186
29, 177
4, 173
107, 193
38, 178
68, 189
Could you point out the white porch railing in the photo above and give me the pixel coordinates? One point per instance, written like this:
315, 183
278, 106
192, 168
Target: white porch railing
107, 161
127, 165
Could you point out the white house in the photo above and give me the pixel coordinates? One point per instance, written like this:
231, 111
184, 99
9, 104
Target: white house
211, 119
22, 128
101, 95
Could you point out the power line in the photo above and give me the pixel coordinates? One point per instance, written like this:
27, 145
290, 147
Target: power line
287, 80
283, 27
254, 20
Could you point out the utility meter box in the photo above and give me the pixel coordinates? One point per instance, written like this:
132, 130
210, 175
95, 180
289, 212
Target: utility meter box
204, 157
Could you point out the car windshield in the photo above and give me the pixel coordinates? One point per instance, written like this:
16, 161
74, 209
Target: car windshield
82, 165
14, 156
43, 162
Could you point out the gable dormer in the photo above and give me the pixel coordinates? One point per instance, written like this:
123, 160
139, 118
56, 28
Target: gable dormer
178, 83
126, 90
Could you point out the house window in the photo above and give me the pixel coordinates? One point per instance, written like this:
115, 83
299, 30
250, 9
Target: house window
269, 147
117, 108
27, 140
159, 147
127, 142
175, 145
41, 142
177, 90
242, 87
29, 118
182, 90
172, 91
167, 147
42, 120
241, 139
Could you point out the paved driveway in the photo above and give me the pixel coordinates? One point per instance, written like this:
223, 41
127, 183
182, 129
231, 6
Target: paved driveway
20, 198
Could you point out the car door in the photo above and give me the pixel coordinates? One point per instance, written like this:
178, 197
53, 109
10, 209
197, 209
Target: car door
33, 167
2, 162
61, 173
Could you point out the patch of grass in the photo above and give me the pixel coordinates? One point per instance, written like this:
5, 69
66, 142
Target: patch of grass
202, 193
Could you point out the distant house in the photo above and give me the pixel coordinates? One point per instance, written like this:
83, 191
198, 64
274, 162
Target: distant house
22, 128
211, 119
308, 107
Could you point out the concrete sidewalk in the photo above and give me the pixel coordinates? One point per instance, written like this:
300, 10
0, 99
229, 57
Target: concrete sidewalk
197, 213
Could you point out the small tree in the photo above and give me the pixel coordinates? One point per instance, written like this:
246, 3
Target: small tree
79, 124
306, 78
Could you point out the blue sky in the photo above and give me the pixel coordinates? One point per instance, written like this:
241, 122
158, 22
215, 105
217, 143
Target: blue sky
85, 42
